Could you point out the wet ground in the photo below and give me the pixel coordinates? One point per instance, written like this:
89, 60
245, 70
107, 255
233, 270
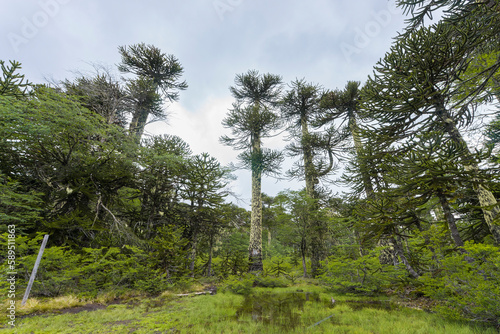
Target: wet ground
285, 309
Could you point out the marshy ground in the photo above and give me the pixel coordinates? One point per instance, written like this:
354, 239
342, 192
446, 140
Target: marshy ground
304, 309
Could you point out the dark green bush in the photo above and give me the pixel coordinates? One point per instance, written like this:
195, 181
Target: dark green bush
241, 285
362, 275
278, 266
87, 273
468, 290
57, 273
270, 282
232, 256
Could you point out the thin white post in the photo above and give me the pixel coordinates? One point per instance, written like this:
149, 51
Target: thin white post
35, 269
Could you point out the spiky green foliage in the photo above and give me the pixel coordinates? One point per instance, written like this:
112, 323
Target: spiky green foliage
343, 106
12, 83
147, 61
316, 146
412, 92
157, 77
468, 289
18, 205
454, 11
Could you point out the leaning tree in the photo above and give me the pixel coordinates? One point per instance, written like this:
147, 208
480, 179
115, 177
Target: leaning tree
413, 91
157, 77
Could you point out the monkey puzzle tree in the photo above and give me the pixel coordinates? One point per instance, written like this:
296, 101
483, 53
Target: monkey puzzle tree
158, 76
300, 108
72, 158
203, 187
12, 83
251, 119
164, 162
343, 106
412, 92
482, 18
17, 206
454, 11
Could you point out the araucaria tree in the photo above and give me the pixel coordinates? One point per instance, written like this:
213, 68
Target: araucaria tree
343, 106
413, 91
157, 77
300, 108
251, 119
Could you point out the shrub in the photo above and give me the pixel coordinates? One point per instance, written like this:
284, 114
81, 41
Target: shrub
92, 271
362, 275
468, 290
278, 266
232, 256
241, 285
270, 282
57, 271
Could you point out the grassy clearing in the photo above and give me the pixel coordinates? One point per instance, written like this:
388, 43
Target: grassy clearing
222, 313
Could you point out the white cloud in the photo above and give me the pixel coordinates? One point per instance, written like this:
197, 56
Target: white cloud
200, 128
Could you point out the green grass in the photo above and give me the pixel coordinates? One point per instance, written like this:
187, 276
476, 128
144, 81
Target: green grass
218, 314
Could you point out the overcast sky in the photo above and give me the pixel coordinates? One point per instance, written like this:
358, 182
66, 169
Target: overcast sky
327, 42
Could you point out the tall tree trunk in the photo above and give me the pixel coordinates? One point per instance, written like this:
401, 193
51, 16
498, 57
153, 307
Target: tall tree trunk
358, 146
311, 178
450, 219
309, 169
255, 244
138, 123
387, 255
210, 254
486, 199
303, 255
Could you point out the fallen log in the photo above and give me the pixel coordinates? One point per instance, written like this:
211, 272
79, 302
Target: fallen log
194, 294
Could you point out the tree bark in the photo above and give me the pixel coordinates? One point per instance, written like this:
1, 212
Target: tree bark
358, 146
450, 219
303, 254
311, 178
387, 256
309, 170
399, 251
138, 123
255, 244
269, 236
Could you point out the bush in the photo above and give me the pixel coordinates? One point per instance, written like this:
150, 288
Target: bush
468, 290
362, 275
241, 285
94, 270
278, 266
57, 271
232, 256
270, 282
105, 268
